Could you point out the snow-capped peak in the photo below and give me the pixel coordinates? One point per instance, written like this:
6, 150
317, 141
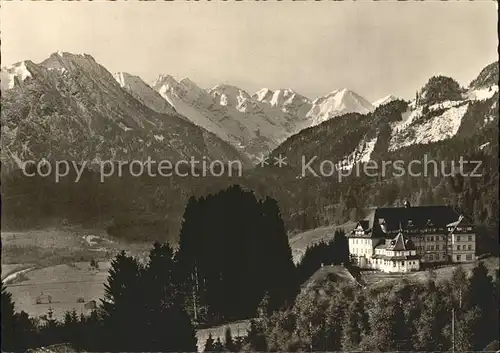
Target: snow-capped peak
190, 85
165, 79
228, 95
338, 102
264, 94
14, 75
385, 100
120, 77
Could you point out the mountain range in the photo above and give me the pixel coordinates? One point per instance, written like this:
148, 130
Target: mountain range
69, 106
441, 110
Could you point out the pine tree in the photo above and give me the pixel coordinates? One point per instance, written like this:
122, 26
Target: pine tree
431, 323
459, 285
122, 306
228, 340
388, 331
466, 331
232, 249
356, 325
218, 346
482, 298
9, 339
209, 344
256, 339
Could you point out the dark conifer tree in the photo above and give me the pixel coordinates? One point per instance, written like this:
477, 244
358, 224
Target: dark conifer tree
255, 340
10, 341
356, 324
209, 344
228, 340
122, 306
232, 249
218, 346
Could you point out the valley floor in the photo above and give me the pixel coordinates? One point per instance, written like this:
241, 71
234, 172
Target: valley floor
56, 262
37, 264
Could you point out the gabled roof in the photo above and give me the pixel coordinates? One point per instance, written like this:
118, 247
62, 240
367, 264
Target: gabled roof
363, 224
385, 222
460, 221
412, 218
401, 243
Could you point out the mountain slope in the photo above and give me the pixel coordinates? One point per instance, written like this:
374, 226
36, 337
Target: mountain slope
143, 93
255, 123
337, 103
485, 85
385, 100
286, 100
70, 107
442, 111
252, 125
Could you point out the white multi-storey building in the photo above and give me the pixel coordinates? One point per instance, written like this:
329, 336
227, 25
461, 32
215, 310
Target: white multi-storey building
434, 233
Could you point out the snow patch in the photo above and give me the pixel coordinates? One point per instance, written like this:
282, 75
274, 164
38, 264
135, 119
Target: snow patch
385, 100
337, 103
18, 72
483, 93
263, 94
223, 100
159, 137
484, 145
441, 127
124, 127
367, 150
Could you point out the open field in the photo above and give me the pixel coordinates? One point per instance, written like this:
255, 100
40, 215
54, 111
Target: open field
299, 242
64, 283
55, 262
55, 246
11, 269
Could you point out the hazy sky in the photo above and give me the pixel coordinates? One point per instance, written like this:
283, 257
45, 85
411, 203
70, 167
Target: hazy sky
373, 48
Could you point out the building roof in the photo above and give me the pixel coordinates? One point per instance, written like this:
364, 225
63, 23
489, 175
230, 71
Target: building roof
387, 221
460, 221
401, 243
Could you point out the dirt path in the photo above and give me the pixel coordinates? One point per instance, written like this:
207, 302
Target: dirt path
12, 276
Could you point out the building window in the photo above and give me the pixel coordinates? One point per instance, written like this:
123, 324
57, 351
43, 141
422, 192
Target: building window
469, 238
432, 238
458, 237
458, 247
468, 257
431, 258
459, 257
469, 247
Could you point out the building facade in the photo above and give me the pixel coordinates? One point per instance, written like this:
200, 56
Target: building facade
439, 234
396, 255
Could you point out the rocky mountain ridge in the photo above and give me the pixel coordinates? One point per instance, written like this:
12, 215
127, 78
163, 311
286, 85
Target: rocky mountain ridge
70, 107
441, 110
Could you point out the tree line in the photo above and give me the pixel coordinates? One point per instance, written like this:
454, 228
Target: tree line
400, 316
233, 254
